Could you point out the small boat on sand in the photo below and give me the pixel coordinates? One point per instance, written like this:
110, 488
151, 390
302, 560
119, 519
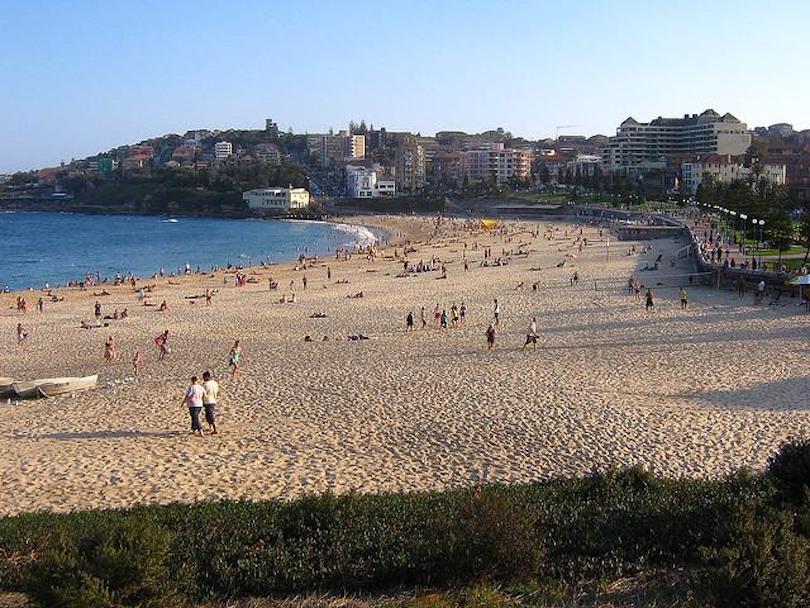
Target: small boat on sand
51, 387
6, 387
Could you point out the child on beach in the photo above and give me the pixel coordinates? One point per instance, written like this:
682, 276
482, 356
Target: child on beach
137, 362
531, 336
162, 342
22, 335
233, 358
422, 317
490, 333
109, 350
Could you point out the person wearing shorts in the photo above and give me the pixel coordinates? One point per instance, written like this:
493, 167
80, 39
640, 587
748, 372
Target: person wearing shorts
210, 396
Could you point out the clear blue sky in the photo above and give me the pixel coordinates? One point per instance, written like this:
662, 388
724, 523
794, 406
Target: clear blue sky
83, 76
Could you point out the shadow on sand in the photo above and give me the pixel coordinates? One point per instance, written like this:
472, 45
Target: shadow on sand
111, 434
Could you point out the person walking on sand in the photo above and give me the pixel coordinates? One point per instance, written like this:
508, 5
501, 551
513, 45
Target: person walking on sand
422, 317
531, 336
462, 312
210, 396
40, 305
454, 315
22, 335
443, 319
233, 358
437, 315
109, 350
193, 399
649, 305
684, 298
409, 321
490, 333
328, 273
162, 342
304, 281
137, 362
496, 309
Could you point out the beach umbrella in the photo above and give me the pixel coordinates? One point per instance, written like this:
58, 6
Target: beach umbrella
801, 281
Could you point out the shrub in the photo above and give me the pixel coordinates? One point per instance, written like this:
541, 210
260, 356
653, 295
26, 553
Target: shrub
112, 565
764, 564
790, 466
496, 537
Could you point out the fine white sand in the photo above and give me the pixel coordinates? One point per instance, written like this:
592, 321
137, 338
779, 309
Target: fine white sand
697, 393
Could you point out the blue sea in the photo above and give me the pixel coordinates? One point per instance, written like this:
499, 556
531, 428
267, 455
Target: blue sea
36, 248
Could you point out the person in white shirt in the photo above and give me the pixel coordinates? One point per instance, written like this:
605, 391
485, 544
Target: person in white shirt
194, 400
210, 394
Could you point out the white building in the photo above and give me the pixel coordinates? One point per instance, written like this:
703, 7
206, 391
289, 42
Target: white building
223, 149
276, 199
365, 183
726, 169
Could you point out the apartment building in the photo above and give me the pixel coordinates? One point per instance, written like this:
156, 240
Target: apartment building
495, 163
726, 169
329, 149
223, 150
640, 146
409, 171
276, 199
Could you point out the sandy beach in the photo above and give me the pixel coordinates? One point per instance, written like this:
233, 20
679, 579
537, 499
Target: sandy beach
699, 392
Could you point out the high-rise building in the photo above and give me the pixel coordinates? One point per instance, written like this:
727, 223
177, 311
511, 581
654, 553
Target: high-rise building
357, 147
410, 167
639, 146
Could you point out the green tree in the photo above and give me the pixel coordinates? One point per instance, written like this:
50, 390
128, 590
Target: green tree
780, 231
804, 231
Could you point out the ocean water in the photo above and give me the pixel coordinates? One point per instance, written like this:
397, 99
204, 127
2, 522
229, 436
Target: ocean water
58, 247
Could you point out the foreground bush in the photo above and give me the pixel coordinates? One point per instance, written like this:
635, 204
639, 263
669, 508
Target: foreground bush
119, 564
765, 563
791, 468
601, 527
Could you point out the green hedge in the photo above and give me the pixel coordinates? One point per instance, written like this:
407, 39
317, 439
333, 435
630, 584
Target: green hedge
601, 526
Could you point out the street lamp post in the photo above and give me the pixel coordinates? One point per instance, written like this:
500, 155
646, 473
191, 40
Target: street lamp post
734, 215
743, 217
755, 222
761, 238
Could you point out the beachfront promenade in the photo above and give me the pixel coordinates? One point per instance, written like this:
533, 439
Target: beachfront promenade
697, 392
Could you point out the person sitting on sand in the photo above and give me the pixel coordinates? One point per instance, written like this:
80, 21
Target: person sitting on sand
163, 306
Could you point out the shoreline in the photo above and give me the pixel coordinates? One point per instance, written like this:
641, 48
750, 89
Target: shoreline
361, 233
